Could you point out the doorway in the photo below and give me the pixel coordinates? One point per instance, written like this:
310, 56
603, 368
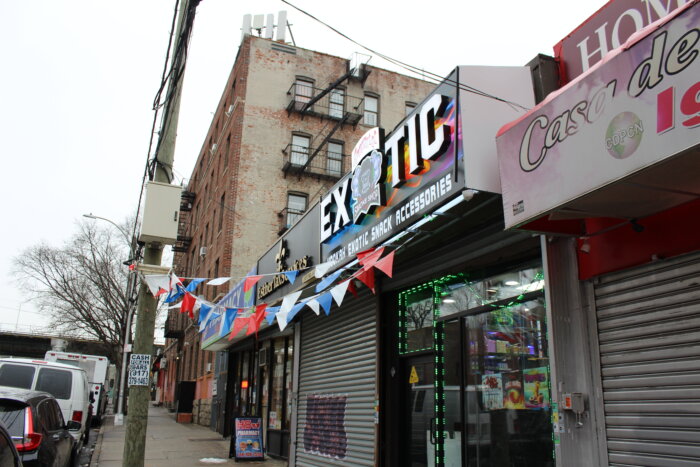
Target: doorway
418, 418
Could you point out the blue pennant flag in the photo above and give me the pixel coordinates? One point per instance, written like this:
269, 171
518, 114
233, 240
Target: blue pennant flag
326, 300
204, 310
328, 280
271, 312
193, 284
295, 309
174, 294
229, 316
291, 275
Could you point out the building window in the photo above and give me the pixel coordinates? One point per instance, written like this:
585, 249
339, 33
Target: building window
336, 107
410, 106
335, 159
222, 208
303, 92
371, 116
296, 206
300, 149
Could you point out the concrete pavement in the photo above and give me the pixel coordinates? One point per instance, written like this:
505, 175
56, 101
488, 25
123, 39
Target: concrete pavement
168, 444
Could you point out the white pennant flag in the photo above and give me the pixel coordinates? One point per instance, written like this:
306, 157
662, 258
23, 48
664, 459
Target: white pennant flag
313, 304
322, 269
339, 291
219, 281
288, 303
156, 282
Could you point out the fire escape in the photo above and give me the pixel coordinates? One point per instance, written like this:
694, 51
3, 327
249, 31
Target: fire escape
333, 105
173, 325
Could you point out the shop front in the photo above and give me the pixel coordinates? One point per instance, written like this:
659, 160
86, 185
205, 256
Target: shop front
607, 168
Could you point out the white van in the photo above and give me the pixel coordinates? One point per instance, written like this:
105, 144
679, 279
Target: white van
67, 383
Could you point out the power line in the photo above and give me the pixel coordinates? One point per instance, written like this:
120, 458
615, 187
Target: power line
433, 76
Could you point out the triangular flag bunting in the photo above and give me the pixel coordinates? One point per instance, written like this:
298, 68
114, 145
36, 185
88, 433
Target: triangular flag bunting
386, 264
204, 310
352, 289
289, 301
271, 313
193, 284
229, 316
282, 319
328, 280
157, 282
295, 309
219, 281
321, 269
367, 260
339, 291
188, 302
326, 300
366, 276
160, 292
250, 281
314, 305
291, 275
238, 325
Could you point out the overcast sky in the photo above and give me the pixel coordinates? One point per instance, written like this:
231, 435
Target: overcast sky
79, 77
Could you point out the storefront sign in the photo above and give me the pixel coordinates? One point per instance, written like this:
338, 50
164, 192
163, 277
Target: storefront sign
247, 440
139, 369
281, 259
606, 30
638, 109
396, 180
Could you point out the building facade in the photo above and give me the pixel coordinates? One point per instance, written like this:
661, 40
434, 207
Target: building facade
280, 138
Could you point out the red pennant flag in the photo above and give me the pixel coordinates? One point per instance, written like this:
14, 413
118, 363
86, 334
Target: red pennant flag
386, 264
367, 277
187, 305
160, 292
238, 324
368, 260
250, 281
256, 319
352, 288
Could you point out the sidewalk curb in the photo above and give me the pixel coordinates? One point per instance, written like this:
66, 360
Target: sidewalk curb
95, 458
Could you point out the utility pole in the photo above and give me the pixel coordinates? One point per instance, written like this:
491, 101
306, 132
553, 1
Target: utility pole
139, 396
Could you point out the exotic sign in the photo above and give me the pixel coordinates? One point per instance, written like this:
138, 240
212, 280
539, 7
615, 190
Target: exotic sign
606, 30
640, 107
395, 180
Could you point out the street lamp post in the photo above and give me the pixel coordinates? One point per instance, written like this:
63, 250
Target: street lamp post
119, 414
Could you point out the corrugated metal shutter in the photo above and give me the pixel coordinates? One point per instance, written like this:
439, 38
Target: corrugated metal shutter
337, 384
649, 335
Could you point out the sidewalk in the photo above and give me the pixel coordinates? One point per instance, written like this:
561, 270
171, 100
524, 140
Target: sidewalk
168, 444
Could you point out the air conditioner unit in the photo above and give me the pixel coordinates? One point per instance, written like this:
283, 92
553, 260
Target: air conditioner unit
213, 148
232, 107
163, 363
208, 367
202, 251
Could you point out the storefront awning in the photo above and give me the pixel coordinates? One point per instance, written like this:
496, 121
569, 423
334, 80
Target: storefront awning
621, 141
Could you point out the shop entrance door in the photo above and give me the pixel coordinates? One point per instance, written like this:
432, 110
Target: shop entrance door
418, 402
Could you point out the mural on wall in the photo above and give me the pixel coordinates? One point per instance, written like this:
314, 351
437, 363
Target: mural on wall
324, 433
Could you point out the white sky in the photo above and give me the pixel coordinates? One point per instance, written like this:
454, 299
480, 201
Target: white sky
79, 77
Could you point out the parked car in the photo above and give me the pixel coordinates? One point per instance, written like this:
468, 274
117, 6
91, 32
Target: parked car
35, 423
67, 383
9, 457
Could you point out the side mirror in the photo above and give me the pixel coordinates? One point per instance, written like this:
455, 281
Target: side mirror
73, 425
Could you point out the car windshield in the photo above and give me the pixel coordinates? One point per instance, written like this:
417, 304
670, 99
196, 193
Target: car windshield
12, 415
55, 382
16, 376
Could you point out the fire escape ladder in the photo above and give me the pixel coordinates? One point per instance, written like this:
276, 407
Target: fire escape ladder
328, 136
330, 87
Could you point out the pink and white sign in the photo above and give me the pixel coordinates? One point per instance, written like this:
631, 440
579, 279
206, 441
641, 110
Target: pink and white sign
373, 139
636, 108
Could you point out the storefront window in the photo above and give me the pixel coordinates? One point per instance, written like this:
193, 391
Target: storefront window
416, 319
276, 398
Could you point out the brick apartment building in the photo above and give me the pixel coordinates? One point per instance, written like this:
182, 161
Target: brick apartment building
280, 138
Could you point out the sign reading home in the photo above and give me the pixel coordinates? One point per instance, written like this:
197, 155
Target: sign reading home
396, 180
139, 369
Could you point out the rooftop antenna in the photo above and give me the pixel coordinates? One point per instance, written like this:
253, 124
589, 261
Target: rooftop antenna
281, 25
269, 26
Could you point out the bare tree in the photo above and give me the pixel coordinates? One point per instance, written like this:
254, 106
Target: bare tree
81, 286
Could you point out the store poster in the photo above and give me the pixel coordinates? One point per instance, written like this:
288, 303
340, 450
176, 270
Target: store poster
536, 385
513, 395
247, 439
492, 391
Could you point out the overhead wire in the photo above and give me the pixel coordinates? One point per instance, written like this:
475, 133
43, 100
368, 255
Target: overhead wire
433, 76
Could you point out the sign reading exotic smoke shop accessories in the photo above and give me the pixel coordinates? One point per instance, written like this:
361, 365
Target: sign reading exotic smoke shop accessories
606, 30
395, 180
639, 109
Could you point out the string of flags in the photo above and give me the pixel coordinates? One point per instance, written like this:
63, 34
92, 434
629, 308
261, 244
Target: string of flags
328, 290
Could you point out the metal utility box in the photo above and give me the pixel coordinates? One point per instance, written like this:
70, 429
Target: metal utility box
161, 213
